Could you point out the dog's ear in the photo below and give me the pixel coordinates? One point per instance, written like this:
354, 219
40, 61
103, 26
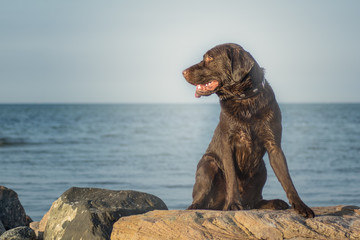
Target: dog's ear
241, 62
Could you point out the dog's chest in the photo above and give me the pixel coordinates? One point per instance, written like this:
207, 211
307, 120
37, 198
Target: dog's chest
247, 149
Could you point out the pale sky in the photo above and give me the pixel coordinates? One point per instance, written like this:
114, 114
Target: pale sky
88, 51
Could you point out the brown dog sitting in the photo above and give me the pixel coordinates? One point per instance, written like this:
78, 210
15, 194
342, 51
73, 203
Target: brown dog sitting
232, 173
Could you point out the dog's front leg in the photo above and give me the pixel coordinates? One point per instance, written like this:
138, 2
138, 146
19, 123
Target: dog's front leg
232, 200
205, 175
279, 165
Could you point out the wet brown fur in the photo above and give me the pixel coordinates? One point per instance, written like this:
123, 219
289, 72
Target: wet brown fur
232, 173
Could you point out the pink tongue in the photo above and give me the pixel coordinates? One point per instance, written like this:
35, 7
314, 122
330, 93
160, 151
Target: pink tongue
198, 87
201, 88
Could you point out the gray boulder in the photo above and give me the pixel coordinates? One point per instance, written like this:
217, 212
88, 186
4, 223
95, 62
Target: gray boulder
19, 233
89, 213
12, 213
2, 228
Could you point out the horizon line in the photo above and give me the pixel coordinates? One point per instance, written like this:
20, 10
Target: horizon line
150, 103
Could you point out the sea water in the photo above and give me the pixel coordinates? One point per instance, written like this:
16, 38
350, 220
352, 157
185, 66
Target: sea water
46, 149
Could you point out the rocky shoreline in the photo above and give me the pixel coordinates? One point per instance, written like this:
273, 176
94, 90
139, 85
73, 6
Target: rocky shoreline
92, 213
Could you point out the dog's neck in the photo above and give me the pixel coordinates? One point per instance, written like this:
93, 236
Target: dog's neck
254, 90
248, 106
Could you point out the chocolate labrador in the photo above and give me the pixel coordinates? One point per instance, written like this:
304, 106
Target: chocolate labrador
231, 174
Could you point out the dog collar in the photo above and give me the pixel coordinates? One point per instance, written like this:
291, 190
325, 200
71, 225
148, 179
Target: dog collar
252, 92
247, 94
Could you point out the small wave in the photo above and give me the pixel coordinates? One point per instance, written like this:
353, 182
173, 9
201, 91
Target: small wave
12, 142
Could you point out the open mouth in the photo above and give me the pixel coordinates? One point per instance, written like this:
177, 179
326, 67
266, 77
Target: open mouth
206, 89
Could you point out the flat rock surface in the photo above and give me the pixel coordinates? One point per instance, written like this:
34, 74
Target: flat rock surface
337, 222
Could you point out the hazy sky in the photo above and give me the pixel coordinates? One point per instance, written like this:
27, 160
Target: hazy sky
135, 51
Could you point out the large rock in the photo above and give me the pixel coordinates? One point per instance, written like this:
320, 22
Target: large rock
339, 222
19, 233
2, 228
89, 213
12, 213
39, 227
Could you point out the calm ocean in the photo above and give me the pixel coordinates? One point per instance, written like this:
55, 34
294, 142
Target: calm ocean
46, 149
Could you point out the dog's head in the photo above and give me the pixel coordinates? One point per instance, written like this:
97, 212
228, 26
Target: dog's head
227, 70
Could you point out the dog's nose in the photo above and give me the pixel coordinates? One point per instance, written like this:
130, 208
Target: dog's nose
185, 73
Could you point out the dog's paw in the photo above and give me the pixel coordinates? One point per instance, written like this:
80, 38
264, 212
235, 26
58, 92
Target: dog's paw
234, 206
303, 210
193, 206
275, 204
280, 204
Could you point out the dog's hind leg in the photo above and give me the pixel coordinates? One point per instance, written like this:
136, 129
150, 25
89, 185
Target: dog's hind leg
206, 175
252, 194
276, 204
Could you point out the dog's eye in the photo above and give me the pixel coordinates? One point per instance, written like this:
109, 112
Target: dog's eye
208, 58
